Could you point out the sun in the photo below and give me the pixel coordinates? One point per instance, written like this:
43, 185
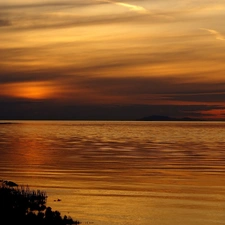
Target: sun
33, 92
29, 90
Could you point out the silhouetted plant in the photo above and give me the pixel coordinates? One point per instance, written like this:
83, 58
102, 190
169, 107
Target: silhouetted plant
18, 204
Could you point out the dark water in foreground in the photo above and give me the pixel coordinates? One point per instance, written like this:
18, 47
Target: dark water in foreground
114, 173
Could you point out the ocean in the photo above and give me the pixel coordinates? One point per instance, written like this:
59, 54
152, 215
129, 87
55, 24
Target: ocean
121, 172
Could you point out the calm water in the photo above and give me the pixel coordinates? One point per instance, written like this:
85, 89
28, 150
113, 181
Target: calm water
115, 173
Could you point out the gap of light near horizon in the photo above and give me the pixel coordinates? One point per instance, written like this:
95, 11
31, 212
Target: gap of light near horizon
164, 56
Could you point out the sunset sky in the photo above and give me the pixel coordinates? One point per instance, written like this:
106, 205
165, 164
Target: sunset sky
103, 59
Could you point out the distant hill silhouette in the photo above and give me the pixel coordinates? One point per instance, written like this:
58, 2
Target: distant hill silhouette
166, 118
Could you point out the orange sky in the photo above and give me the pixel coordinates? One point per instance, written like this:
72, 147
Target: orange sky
142, 57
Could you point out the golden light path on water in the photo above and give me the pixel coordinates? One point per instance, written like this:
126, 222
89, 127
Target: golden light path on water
121, 172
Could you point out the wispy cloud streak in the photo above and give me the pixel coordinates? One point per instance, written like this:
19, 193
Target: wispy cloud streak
217, 34
54, 4
132, 7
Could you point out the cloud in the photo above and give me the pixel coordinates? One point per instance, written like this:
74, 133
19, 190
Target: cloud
52, 4
67, 14
51, 20
20, 77
131, 7
69, 21
141, 90
84, 85
217, 34
4, 23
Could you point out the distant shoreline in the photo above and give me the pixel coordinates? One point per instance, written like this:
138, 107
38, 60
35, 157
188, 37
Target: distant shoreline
84, 120
167, 118
4, 121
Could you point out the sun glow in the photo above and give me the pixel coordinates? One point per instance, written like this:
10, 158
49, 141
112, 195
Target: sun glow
30, 90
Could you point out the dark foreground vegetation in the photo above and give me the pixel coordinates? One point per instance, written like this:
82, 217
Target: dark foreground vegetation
20, 205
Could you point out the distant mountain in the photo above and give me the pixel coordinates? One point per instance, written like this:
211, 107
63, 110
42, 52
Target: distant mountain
166, 118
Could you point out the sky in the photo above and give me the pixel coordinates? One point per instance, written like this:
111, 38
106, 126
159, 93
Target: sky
112, 60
